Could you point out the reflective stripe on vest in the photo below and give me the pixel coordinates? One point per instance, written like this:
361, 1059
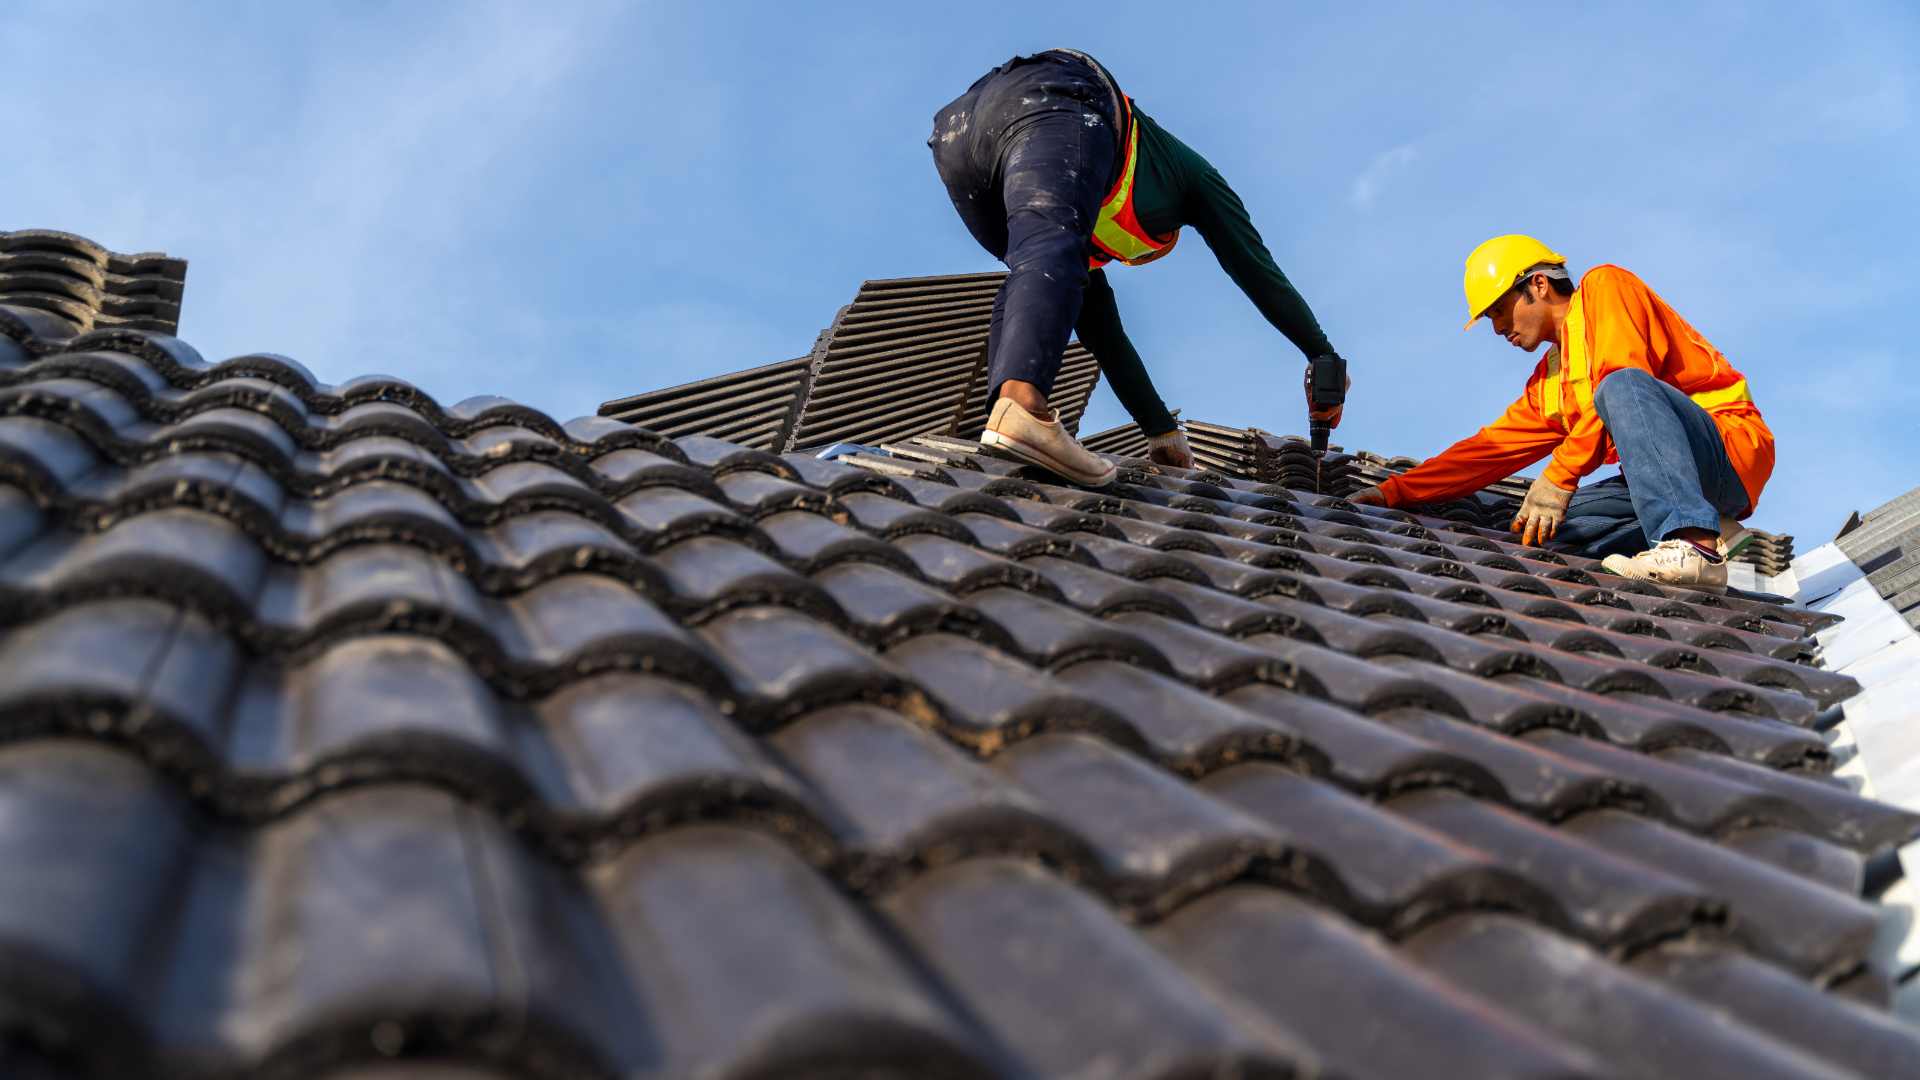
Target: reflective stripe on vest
1117, 233
1570, 388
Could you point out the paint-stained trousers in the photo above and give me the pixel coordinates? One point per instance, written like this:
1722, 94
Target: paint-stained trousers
1027, 154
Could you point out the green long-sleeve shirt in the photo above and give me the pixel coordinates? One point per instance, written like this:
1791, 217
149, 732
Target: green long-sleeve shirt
1174, 186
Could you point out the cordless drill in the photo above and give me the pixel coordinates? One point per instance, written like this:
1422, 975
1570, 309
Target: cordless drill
1326, 388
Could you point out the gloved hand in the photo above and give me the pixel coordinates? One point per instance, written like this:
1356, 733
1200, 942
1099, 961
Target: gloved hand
1541, 512
1170, 448
1331, 416
1371, 495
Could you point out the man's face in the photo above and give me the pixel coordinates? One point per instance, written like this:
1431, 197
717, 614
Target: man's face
1523, 321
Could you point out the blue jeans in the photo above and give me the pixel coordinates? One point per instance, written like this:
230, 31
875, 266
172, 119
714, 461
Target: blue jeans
1674, 471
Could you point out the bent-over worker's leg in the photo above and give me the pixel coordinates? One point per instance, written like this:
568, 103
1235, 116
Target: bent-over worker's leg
1672, 455
1600, 522
1054, 170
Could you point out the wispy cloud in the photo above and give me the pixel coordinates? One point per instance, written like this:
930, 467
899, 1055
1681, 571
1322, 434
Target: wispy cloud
1380, 172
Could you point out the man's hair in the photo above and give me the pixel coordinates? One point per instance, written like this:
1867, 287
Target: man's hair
1557, 277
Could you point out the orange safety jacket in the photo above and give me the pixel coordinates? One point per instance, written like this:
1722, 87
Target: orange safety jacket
1614, 322
1117, 233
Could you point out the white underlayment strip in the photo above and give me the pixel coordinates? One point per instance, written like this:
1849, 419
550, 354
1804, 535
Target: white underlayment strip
1879, 741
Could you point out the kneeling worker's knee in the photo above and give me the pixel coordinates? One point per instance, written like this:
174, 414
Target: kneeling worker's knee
1617, 384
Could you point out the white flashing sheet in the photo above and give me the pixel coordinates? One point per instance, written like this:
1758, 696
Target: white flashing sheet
1879, 741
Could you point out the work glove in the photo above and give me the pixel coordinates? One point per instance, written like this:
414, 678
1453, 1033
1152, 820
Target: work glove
1170, 448
1541, 512
1331, 416
1371, 495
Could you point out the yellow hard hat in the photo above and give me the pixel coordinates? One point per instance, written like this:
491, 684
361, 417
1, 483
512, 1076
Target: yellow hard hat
1495, 265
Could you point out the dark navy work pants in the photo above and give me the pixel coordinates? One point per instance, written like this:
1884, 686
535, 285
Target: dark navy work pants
1027, 155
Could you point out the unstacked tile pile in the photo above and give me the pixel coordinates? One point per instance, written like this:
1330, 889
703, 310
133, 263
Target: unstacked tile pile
1126, 440
751, 407
1493, 507
1245, 454
906, 357
87, 286
1772, 553
1885, 543
337, 726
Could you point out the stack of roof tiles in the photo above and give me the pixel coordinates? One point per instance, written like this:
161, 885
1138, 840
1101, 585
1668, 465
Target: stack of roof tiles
1245, 454
1772, 553
87, 286
338, 726
1885, 544
906, 357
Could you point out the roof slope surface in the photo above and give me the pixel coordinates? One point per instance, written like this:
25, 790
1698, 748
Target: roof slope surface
339, 726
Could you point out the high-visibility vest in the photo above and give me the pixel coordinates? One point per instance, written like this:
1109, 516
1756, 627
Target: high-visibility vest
1569, 384
1117, 233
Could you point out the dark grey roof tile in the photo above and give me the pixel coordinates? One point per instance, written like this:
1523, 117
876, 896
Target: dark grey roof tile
1022, 946
111, 843
1836, 867
721, 457
713, 573
1842, 815
890, 517
758, 494
1566, 990
1242, 579
1211, 662
1059, 519
1225, 613
887, 605
1377, 867
962, 568
1182, 728
790, 663
905, 800
1817, 931
810, 542
1099, 592
1128, 561
1163, 844
693, 908
989, 699
1367, 687
1765, 998
1706, 793
1053, 635
1610, 901
1339, 980
44, 456
660, 516
1536, 781
1017, 540
638, 754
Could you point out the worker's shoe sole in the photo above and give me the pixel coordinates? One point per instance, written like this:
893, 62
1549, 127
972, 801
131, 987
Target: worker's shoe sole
1671, 562
1017, 432
1035, 456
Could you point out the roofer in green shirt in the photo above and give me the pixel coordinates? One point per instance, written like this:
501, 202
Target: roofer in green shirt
1057, 173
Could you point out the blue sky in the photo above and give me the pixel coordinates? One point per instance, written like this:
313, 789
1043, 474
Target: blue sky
566, 202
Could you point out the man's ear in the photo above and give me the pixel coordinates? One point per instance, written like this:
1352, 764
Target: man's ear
1538, 287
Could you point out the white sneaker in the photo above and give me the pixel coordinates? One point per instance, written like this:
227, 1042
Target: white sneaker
1671, 562
1044, 443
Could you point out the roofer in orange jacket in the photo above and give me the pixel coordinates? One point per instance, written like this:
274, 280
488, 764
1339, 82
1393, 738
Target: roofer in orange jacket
1626, 380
